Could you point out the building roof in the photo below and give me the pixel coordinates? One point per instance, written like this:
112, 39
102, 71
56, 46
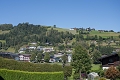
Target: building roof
106, 56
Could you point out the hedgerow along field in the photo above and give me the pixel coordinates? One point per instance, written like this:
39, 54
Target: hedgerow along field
31, 67
24, 75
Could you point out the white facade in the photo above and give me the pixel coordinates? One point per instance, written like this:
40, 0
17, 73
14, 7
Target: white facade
47, 49
21, 51
105, 68
24, 58
69, 58
92, 75
32, 47
21, 57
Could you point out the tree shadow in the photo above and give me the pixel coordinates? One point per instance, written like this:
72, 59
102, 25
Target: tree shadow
1, 78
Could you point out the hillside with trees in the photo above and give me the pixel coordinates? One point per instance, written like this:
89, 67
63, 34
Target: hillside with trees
79, 42
102, 41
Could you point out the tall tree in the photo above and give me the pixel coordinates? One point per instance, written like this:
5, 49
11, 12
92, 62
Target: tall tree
39, 57
95, 56
33, 57
64, 58
81, 59
47, 57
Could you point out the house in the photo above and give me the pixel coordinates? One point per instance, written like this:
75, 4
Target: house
32, 47
69, 57
22, 49
71, 29
15, 56
5, 55
24, 57
92, 76
40, 48
34, 43
9, 55
109, 60
48, 49
52, 60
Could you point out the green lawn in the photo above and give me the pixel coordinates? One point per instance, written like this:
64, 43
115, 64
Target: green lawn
3, 32
95, 67
9, 50
62, 29
104, 34
3, 41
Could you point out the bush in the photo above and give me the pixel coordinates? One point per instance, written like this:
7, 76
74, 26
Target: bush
27, 66
67, 71
22, 75
76, 76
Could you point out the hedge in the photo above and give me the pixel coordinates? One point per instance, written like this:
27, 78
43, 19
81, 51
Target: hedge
24, 75
27, 66
33, 67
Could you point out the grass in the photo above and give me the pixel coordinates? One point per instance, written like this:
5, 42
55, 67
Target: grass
64, 30
3, 32
95, 67
3, 41
104, 34
93, 33
8, 50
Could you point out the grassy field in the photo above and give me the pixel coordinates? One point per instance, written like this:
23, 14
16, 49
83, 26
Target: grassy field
104, 34
95, 67
9, 50
61, 29
93, 33
3, 32
3, 41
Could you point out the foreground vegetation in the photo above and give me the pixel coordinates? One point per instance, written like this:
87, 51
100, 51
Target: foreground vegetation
22, 75
93, 44
31, 67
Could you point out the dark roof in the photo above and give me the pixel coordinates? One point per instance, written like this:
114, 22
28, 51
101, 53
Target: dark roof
106, 56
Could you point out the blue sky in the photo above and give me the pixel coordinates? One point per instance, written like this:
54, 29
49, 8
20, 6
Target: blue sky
99, 14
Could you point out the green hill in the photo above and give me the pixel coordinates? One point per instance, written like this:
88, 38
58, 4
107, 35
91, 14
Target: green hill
3, 32
104, 34
64, 30
92, 33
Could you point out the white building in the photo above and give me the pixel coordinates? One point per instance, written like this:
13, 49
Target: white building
92, 76
47, 49
24, 57
69, 57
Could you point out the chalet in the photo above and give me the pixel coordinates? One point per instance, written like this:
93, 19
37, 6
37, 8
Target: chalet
48, 49
24, 57
109, 60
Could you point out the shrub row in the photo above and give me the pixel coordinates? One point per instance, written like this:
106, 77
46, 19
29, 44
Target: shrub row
27, 66
33, 67
24, 75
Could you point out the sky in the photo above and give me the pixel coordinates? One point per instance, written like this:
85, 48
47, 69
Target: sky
98, 14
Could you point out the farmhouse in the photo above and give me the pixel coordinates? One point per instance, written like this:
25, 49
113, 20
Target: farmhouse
24, 57
109, 60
